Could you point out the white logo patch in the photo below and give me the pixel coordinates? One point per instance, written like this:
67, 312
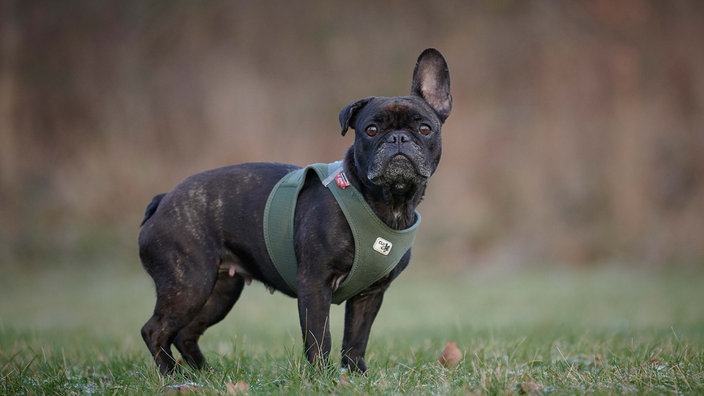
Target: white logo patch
383, 246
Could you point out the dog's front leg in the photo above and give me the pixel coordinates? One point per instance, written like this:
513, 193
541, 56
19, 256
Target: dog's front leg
360, 312
314, 310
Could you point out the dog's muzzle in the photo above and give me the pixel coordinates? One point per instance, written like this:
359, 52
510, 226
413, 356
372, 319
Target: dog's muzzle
398, 171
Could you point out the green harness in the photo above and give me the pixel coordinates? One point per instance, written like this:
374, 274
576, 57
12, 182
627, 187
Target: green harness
378, 248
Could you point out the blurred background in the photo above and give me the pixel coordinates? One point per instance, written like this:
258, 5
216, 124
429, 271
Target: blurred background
576, 136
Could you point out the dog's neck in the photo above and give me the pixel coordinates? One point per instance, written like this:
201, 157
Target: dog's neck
395, 210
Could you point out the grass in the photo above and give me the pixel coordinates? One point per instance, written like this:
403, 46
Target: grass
598, 331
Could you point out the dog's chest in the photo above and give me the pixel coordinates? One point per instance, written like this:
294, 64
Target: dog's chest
378, 248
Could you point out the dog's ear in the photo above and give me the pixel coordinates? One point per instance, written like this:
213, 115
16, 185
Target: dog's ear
431, 81
349, 112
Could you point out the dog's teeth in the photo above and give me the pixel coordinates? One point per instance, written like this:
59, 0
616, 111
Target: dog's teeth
232, 271
248, 281
270, 289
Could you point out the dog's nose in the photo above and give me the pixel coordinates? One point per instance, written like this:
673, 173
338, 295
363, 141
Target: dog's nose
398, 138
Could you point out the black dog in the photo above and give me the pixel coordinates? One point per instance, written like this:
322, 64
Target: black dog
204, 240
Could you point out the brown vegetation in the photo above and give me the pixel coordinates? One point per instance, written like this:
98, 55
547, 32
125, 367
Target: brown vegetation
577, 132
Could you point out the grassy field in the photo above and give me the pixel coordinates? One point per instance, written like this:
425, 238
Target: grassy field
596, 331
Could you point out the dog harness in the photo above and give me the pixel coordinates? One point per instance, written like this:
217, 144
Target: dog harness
378, 248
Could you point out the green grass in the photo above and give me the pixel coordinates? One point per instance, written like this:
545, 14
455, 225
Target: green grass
597, 331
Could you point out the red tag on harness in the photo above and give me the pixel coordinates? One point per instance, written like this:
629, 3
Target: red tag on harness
342, 181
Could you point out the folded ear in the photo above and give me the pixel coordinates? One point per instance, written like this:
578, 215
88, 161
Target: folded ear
431, 81
348, 113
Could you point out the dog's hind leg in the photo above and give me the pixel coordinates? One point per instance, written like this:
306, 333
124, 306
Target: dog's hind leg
179, 299
227, 290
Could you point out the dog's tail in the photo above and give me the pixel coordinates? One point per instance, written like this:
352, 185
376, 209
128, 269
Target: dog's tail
151, 208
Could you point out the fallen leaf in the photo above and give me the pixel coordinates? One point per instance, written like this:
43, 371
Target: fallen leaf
237, 387
531, 388
343, 380
598, 360
451, 355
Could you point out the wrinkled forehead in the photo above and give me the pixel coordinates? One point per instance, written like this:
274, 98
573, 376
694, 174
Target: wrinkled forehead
401, 107
402, 103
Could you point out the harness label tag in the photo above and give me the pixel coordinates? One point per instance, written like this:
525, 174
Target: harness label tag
383, 246
341, 180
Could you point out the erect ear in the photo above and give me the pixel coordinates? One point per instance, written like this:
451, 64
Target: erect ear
431, 81
349, 112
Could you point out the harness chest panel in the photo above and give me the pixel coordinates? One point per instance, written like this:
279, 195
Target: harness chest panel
378, 248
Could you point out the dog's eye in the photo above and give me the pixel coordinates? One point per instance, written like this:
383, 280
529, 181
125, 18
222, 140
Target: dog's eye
424, 130
372, 130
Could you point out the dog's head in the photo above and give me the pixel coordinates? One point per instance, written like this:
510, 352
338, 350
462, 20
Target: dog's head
397, 139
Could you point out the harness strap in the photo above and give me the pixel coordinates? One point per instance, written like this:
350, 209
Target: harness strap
378, 248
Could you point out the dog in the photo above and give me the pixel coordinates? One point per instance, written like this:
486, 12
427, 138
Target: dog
203, 241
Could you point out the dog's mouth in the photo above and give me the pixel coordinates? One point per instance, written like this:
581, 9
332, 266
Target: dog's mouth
398, 172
